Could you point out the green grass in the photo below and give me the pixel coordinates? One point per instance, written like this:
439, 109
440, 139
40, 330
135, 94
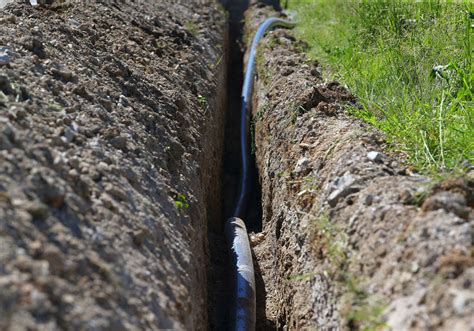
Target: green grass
410, 65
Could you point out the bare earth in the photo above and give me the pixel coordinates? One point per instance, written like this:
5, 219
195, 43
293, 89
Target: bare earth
110, 129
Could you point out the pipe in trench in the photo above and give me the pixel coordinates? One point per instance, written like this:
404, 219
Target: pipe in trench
244, 302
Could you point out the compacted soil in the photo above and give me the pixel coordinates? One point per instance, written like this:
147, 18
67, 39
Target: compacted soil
111, 117
352, 238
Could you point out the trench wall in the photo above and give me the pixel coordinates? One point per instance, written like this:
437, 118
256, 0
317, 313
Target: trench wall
111, 132
351, 237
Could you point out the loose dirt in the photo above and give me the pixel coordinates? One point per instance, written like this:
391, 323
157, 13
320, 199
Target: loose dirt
352, 239
111, 131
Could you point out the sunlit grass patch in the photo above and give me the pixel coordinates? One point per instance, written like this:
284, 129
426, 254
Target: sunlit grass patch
410, 65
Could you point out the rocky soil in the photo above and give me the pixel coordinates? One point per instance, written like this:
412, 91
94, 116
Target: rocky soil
352, 238
111, 117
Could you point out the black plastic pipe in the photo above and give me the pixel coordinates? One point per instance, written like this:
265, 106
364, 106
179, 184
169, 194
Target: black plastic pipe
244, 298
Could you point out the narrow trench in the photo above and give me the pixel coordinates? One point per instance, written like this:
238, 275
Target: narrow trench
219, 290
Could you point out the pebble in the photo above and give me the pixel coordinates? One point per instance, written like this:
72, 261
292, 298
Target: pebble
116, 193
64, 74
69, 134
119, 142
5, 55
123, 101
462, 299
54, 257
374, 156
256, 239
342, 187
368, 200
37, 209
5, 85
102, 166
302, 166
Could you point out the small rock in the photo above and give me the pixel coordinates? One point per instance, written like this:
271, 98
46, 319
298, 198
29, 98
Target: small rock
123, 101
305, 145
139, 236
375, 156
5, 85
37, 47
119, 142
37, 209
6, 54
302, 166
116, 192
69, 134
102, 166
94, 60
73, 173
368, 200
342, 187
54, 257
64, 75
256, 239
462, 300
39, 301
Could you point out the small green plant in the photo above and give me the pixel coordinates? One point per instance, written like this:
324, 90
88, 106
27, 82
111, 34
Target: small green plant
302, 277
331, 240
192, 28
202, 101
360, 310
181, 201
298, 111
310, 183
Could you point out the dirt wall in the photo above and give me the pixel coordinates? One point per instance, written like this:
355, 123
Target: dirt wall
352, 238
111, 117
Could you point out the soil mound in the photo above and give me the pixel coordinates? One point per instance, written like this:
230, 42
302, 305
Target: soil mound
111, 117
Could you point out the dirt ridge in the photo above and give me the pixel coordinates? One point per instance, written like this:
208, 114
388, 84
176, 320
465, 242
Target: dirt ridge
351, 237
111, 130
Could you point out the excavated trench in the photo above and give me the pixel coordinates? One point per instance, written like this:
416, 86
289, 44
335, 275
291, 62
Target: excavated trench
219, 275
107, 201
331, 233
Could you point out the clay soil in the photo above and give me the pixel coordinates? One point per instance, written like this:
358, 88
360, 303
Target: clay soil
352, 238
111, 132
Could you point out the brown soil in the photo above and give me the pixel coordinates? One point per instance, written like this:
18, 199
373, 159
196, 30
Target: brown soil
352, 239
111, 117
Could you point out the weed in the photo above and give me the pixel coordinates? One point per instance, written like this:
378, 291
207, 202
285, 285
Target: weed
202, 101
360, 310
332, 241
192, 28
217, 63
298, 111
310, 183
181, 201
266, 106
409, 63
302, 277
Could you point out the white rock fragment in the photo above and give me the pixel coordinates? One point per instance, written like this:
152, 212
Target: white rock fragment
342, 187
374, 156
462, 299
302, 166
